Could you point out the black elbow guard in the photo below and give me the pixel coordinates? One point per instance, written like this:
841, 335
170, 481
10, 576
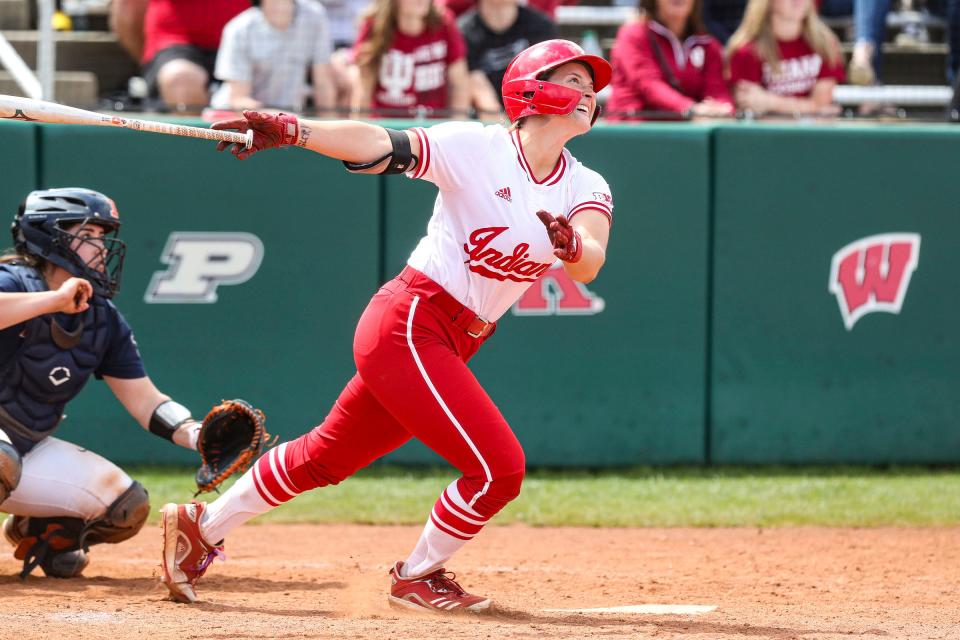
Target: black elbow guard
401, 157
167, 418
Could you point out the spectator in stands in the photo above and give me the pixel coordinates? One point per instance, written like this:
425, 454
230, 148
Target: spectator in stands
411, 59
180, 47
265, 54
870, 27
495, 32
548, 7
126, 21
667, 62
343, 16
722, 17
953, 110
784, 59
952, 14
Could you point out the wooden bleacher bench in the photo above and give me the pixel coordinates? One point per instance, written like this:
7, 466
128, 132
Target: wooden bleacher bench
93, 51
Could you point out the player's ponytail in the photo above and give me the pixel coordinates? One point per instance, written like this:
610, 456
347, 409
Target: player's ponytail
22, 258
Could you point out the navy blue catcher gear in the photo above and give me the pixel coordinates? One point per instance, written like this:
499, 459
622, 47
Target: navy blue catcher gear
51, 365
39, 229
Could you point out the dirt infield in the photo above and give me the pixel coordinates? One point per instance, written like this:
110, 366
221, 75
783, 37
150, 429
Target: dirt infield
303, 581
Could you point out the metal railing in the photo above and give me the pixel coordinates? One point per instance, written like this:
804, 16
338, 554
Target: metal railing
42, 87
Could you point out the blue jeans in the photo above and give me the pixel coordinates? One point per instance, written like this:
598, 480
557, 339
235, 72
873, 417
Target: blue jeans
951, 11
870, 25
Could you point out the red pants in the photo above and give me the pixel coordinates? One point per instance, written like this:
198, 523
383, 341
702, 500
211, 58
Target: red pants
412, 381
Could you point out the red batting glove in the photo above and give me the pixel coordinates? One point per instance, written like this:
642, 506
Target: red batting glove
270, 130
567, 244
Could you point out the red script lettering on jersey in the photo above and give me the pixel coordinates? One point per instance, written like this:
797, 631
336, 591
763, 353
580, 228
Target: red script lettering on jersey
513, 266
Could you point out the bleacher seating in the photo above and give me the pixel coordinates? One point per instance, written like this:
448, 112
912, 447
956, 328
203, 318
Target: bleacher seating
91, 64
14, 14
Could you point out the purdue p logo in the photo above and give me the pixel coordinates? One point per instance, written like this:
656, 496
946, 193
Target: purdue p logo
873, 273
201, 262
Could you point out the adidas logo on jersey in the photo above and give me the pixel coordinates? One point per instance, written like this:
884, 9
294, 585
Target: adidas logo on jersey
505, 194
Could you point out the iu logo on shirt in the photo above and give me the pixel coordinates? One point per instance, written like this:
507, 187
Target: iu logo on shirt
557, 294
873, 274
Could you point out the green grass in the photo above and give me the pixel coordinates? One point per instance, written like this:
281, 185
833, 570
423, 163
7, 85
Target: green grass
642, 497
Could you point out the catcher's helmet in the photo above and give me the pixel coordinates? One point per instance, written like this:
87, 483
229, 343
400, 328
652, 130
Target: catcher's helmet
39, 230
524, 91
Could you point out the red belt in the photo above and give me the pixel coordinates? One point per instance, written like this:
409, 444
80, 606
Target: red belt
461, 316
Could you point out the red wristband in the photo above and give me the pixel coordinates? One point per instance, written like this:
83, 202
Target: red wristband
290, 129
577, 247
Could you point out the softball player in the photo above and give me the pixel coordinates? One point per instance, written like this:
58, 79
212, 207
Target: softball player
57, 328
510, 202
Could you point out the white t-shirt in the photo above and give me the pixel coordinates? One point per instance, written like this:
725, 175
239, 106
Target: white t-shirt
485, 244
274, 62
344, 17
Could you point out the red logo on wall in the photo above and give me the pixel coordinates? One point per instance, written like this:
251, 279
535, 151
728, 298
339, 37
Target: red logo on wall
556, 293
873, 273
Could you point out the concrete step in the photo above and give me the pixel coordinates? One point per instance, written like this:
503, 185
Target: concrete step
95, 51
14, 14
75, 88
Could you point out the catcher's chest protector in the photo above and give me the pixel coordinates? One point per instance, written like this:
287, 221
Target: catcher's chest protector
42, 376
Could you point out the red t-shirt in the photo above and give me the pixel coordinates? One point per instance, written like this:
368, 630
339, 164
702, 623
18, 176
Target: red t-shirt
413, 70
196, 22
639, 82
800, 68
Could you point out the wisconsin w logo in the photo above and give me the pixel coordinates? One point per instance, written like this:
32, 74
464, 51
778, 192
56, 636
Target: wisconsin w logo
873, 273
556, 293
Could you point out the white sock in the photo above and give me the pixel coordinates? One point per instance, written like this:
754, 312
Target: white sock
433, 550
238, 504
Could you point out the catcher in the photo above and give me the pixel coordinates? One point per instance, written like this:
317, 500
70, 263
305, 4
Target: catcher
58, 327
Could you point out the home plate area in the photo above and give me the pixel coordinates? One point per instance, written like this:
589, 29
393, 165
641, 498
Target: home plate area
331, 581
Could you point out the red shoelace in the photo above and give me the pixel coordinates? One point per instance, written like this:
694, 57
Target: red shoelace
442, 581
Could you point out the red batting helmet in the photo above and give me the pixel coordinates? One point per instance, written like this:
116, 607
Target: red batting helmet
526, 94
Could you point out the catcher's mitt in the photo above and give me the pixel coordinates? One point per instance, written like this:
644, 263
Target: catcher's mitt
230, 439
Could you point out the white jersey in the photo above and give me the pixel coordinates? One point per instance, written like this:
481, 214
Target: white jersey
485, 244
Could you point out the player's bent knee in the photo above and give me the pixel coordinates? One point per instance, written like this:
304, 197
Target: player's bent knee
123, 518
179, 78
11, 467
504, 488
181, 70
508, 486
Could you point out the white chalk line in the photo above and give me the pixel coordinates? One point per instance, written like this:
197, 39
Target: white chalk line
653, 609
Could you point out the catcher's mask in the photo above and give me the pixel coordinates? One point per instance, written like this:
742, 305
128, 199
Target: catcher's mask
526, 93
41, 225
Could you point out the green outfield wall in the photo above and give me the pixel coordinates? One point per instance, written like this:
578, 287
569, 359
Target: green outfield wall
771, 294
791, 382
18, 168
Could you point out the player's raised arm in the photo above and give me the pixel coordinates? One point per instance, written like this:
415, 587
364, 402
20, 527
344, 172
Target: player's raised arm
72, 297
364, 147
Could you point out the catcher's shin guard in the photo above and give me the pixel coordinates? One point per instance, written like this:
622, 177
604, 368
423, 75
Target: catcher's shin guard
11, 466
59, 545
53, 544
122, 519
